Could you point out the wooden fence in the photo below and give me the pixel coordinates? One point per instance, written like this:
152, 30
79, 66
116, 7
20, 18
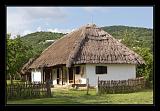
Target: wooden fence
28, 90
121, 86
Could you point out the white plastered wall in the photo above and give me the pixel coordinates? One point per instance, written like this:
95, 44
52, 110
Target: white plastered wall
114, 72
81, 77
36, 75
54, 76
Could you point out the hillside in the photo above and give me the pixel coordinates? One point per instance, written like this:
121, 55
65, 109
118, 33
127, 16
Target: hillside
37, 40
130, 36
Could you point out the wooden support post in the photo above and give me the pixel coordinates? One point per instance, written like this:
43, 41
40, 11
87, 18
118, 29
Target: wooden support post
97, 85
62, 75
42, 77
67, 76
26, 77
51, 75
87, 86
74, 74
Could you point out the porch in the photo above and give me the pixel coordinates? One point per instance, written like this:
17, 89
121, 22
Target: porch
59, 75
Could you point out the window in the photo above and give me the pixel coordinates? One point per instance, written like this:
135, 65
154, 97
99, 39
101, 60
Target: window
101, 69
77, 68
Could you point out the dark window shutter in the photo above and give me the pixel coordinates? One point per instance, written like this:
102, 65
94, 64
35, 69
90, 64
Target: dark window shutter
101, 69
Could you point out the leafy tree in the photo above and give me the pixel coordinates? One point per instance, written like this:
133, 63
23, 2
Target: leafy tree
145, 70
17, 53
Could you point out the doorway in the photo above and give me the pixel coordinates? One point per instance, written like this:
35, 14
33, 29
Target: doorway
70, 75
29, 77
58, 77
47, 74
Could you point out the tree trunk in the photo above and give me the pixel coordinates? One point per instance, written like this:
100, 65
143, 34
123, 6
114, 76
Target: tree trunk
11, 77
48, 88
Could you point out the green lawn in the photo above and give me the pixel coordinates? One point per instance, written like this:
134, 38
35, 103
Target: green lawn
79, 97
14, 81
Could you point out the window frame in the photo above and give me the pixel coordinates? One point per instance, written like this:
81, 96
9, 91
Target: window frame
101, 69
79, 68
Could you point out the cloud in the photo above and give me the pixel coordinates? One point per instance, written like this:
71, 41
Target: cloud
56, 30
21, 20
49, 13
26, 32
16, 23
60, 30
39, 29
96, 9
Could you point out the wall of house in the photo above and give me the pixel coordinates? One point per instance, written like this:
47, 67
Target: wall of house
114, 72
36, 75
81, 76
54, 76
65, 76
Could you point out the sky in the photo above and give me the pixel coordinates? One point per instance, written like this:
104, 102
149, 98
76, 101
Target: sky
25, 20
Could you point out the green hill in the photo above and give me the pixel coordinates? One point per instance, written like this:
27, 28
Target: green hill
37, 40
132, 36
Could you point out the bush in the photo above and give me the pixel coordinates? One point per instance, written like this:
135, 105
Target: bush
149, 84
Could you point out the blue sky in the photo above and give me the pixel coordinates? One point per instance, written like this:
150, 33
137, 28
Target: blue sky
24, 20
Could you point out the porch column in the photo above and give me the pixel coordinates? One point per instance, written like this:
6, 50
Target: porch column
42, 76
51, 75
26, 77
62, 75
74, 74
67, 76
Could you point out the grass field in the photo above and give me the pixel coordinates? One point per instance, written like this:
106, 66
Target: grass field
71, 96
14, 81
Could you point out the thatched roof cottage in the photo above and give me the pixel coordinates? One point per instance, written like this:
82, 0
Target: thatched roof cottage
88, 52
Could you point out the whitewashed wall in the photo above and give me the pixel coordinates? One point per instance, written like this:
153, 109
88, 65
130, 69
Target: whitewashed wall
36, 75
65, 75
81, 77
54, 76
114, 72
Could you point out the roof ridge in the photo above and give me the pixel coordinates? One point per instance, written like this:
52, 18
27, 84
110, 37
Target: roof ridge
77, 45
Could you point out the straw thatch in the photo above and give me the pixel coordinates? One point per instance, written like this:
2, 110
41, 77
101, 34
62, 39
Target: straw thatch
25, 67
88, 44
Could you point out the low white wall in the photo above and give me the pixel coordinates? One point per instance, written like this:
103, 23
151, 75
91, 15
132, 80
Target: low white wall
36, 75
114, 72
54, 76
82, 76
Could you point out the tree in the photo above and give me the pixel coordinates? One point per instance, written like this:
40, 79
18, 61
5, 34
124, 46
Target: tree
17, 55
145, 70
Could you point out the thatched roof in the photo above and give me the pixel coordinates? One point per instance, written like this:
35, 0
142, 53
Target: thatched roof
88, 44
25, 67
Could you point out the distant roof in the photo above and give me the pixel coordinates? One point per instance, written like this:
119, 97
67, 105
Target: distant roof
25, 67
88, 44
